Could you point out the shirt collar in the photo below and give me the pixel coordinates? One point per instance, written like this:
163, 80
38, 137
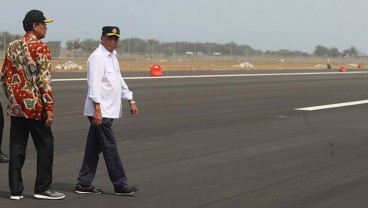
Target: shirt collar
30, 37
105, 51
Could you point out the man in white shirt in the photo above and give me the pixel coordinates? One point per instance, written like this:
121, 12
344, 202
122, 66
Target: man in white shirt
106, 89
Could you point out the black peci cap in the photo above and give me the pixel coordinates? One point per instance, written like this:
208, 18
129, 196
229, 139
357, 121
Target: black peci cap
111, 31
35, 16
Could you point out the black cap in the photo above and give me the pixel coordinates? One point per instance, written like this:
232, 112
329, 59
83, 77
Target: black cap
35, 16
111, 31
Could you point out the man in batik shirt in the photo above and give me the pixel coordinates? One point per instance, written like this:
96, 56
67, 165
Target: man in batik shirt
26, 80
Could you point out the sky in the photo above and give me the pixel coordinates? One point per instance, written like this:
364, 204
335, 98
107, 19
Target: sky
261, 24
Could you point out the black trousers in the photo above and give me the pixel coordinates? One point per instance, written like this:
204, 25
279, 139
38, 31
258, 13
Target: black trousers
44, 143
101, 139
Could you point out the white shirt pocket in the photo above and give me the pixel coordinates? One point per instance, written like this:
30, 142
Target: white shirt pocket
109, 70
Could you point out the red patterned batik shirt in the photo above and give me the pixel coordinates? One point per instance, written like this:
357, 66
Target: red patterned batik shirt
26, 78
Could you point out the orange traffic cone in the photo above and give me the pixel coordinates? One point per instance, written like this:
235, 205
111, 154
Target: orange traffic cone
156, 70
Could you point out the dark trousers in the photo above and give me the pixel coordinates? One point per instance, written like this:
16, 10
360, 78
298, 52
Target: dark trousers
101, 139
44, 143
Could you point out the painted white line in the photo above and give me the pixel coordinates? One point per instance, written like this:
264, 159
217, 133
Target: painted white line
67, 80
337, 105
226, 75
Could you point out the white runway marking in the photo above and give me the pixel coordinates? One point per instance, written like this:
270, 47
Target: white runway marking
68, 80
224, 75
337, 105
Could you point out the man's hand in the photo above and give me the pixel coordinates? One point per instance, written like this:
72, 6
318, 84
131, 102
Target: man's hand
134, 109
97, 115
50, 117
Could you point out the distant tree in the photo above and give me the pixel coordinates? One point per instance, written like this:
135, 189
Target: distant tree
55, 47
286, 53
210, 48
283, 52
89, 45
249, 51
182, 47
334, 52
133, 45
73, 44
152, 45
227, 49
6, 38
351, 52
168, 48
321, 51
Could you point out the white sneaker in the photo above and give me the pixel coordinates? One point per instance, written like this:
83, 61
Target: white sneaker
16, 197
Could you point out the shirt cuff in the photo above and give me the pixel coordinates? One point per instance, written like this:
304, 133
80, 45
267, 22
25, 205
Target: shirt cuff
127, 96
49, 107
95, 99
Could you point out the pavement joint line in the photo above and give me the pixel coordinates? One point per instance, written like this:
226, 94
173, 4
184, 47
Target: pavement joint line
224, 75
336, 105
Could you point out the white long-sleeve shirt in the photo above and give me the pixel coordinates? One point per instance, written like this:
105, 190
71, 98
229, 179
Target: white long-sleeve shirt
106, 86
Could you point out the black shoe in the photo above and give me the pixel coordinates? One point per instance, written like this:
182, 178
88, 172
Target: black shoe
127, 191
87, 190
3, 158
49, 194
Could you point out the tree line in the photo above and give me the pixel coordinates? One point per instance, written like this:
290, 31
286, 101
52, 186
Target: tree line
152, 47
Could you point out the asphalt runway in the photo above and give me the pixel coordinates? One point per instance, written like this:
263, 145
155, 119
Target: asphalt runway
216, 142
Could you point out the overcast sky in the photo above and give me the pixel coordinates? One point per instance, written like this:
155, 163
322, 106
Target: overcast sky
262, 24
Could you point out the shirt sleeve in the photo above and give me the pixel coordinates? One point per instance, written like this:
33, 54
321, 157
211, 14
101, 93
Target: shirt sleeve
43, 60
4, 71
126, 94
94, 78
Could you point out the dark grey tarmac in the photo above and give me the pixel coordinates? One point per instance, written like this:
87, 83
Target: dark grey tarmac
217, 142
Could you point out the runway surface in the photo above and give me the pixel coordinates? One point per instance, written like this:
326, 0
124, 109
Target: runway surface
218, 142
